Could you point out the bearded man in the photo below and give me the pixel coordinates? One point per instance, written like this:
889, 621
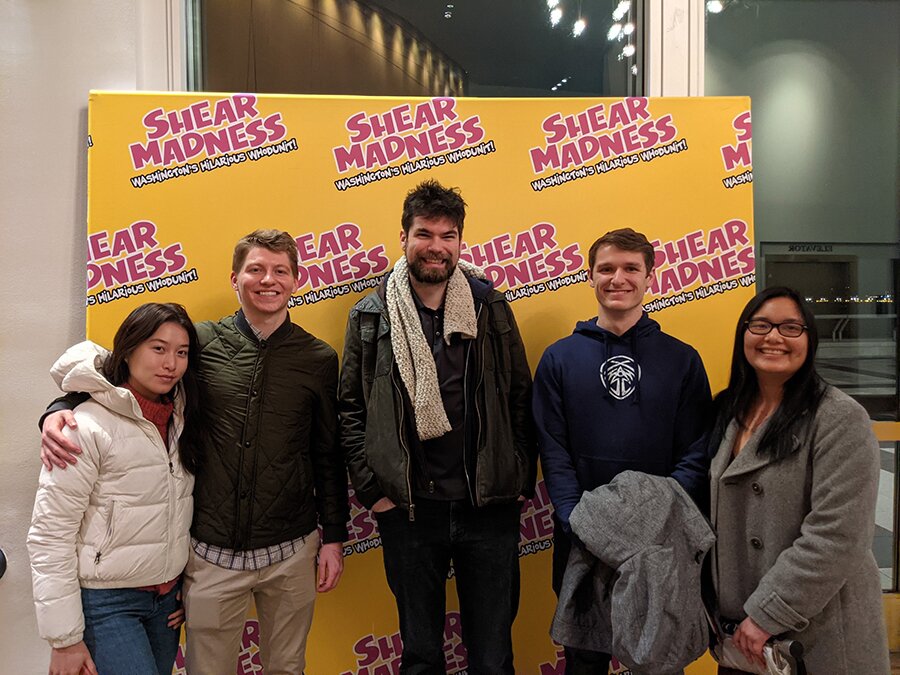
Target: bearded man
435, 423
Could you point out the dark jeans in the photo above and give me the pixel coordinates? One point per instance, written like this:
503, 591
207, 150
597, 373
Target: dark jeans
578, 661
126, 633
584, 662
483, 544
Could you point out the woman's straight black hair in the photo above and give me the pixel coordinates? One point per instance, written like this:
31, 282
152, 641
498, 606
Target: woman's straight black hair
803, 392
138, 327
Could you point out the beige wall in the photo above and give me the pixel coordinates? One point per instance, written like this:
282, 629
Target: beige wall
51, 53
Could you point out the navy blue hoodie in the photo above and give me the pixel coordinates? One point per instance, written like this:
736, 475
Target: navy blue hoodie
605, 403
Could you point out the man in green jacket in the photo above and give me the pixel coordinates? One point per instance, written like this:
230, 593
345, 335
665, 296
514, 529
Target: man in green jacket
271, 473
435, 407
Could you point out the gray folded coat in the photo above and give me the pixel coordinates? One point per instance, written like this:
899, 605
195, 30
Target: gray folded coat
635, 591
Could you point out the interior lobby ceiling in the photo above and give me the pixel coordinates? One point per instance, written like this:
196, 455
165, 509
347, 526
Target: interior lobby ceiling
511, 43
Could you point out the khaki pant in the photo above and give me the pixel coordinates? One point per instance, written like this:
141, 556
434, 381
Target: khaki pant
216, 602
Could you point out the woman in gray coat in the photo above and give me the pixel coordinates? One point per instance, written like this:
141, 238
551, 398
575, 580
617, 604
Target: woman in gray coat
793, 488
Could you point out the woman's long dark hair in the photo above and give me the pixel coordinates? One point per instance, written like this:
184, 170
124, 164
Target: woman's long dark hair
802, 392
137, 328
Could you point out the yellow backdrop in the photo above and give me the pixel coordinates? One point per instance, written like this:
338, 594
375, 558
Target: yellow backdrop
175, 179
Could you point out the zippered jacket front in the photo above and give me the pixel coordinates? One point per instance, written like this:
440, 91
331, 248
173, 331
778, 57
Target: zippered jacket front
119, 517
273, 469
500, 450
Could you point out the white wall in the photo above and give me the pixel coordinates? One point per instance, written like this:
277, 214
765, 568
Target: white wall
51, 53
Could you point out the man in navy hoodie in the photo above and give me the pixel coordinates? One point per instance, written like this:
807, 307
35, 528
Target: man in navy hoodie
617, 394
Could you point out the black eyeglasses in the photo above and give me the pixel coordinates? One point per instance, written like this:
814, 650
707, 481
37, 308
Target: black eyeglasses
790, 329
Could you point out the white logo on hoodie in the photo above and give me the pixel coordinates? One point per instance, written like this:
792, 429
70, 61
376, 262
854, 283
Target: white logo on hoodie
620, 374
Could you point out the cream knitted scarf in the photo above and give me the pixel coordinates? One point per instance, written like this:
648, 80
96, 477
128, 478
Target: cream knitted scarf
412, 352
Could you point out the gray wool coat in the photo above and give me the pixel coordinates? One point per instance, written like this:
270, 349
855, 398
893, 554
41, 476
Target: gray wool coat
794, 548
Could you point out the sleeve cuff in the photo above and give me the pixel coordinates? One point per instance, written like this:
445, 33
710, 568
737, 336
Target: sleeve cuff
334, 534
773, 614
56, 406
67, 641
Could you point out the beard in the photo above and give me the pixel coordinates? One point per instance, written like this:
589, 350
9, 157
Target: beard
430, 275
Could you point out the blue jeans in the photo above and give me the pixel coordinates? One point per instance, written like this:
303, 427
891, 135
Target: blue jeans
125, 630
483, 544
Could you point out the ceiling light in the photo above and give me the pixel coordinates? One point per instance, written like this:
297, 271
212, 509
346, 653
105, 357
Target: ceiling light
714, 6
628, 50
565, 79
621, 10
634, 69
555, 16
628, 28
552, 3
614, 31
554, 88
448, 15
578, 27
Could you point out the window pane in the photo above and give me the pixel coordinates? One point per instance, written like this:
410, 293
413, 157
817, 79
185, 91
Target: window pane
852, 289
420, 47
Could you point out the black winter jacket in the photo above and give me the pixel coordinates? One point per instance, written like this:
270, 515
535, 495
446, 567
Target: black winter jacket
273, 468
373, 404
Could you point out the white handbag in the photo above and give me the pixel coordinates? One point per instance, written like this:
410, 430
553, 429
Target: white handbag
777, 663
782, 657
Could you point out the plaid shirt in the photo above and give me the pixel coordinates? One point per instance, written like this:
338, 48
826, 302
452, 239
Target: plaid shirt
244, 561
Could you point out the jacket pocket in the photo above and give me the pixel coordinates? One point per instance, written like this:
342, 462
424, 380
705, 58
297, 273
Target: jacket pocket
105, 543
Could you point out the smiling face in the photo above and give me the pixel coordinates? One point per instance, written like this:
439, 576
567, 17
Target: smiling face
158, 363
432, 249
620, 279
774, 356
264, 284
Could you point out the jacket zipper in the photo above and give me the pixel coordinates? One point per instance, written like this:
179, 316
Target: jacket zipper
172, 514
477, 412
173, 434
110, 529
400, 435
260, 347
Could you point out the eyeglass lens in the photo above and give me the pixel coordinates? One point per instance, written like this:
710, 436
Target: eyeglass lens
763, 327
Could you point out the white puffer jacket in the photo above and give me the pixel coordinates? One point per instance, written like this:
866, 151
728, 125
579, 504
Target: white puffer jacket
118, 518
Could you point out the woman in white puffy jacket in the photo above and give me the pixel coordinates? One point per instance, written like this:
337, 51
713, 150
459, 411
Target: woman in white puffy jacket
109, 537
